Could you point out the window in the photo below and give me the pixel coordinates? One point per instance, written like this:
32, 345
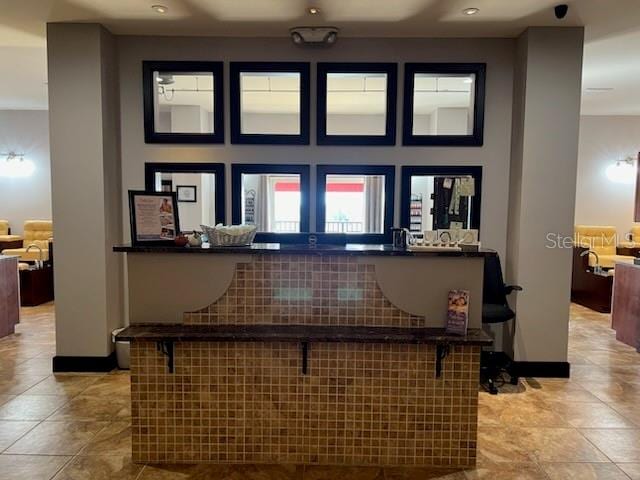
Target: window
357, 103
199, 188
272, 197
440, 198
183, 102
355, 200
270, 103
444, 104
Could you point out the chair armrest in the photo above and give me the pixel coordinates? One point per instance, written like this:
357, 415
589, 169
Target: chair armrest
508, 289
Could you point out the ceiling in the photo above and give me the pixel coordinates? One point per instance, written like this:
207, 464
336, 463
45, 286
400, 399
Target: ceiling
612, 32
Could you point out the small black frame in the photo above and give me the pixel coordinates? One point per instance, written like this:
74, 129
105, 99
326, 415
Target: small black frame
389, 173
410, 171
238, 169
389, 138
195, 193
237, 137
474, 140
150, 170
132, 217
150, 134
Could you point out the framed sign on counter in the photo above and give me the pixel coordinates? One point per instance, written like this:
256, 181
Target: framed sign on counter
154, 217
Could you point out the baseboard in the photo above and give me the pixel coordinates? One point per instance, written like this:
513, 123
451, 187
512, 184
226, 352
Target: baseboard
542, 369
84, 364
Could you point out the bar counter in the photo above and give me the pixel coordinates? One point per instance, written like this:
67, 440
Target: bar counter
293, 354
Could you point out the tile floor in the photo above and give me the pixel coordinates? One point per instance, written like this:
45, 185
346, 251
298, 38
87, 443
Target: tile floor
76, 426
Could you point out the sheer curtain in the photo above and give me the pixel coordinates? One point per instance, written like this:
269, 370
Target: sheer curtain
373, 204
262, 204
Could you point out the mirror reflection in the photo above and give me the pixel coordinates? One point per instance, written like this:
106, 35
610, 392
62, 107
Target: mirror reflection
196, 197
183, 102
271, 202
270, 103
354, 203
440, 202
356, 103
443, 104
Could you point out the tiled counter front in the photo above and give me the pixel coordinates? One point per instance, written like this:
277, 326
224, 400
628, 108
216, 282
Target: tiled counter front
358, 404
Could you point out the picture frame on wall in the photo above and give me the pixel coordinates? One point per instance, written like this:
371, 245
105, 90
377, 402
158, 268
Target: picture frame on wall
187, 193
153, 217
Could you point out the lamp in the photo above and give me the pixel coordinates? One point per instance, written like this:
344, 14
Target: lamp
622, 171
15, 165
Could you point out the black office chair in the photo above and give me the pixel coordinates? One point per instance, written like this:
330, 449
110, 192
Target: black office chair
495, 309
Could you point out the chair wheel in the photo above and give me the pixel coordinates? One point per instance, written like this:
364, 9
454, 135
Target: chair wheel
493, 390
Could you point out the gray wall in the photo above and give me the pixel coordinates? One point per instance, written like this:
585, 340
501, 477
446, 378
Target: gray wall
493, 156
26, 198
545, 151
85, 159
603, 140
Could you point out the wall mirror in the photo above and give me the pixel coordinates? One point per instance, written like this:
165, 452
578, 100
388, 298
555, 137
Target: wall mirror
270, 103
183, 102
199, 189
356, 103
444, 104
275, 198
356, 200
439, 198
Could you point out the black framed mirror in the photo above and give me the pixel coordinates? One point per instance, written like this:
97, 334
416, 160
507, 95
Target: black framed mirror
183, 102
275, 198
356, 103
440, 197
355, 201
201, 185
270, 103
444, 104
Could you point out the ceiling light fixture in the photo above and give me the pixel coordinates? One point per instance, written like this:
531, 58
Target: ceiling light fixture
313, 10
470, 11
160, 9
314, 35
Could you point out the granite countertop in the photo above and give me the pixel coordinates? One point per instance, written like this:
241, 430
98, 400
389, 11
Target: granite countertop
305, 249
300, 333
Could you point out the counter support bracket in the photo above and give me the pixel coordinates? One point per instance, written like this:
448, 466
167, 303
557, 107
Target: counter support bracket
305, 357
166, 348
442, 351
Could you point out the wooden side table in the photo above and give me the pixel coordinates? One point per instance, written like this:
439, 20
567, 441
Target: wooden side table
9, 297
6, 244
36, 286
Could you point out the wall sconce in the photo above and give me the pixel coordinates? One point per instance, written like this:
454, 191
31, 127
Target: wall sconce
15, 165
622, 171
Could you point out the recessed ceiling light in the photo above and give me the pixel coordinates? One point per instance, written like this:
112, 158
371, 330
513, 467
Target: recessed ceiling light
471, 11
313, 10
159, 8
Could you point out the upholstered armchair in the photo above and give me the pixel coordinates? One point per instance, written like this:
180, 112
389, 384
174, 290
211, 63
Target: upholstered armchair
603, 241
37, 234
6, 239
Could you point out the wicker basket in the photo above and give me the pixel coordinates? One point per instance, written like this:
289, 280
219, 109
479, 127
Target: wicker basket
218, 237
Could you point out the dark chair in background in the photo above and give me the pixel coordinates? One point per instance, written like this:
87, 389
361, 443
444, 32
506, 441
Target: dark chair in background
495, 309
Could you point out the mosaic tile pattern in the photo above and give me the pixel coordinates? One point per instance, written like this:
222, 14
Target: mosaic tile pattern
359, 404
304, 290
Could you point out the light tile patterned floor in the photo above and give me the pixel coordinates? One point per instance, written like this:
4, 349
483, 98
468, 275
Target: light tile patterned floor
76, 426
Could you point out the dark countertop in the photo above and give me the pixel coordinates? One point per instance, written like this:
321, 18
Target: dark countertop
304, 249
299, 333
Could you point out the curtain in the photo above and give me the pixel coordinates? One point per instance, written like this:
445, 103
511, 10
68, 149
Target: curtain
262, 204
374, 203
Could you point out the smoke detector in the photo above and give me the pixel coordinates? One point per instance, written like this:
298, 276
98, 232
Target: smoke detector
314, 35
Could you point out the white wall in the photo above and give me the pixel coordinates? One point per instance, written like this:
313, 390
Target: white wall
28, 198
603, 140
493, 156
